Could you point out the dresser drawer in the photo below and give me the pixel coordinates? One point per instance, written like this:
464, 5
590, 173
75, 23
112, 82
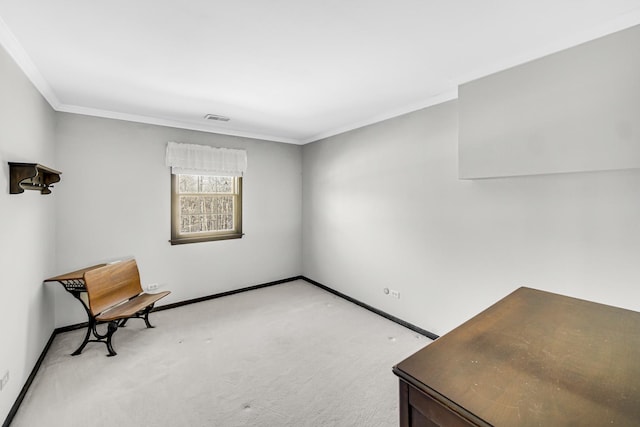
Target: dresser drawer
424, 411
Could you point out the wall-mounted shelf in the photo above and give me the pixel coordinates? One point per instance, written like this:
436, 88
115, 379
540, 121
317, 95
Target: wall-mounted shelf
31, 176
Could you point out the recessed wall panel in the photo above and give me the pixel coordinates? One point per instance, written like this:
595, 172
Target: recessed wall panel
576, 110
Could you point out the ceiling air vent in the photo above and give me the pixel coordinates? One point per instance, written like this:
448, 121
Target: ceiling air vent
216, 117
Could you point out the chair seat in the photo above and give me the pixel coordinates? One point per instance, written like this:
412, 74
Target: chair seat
130, 307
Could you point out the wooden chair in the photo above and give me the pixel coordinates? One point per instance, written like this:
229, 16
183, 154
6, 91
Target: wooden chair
115, 296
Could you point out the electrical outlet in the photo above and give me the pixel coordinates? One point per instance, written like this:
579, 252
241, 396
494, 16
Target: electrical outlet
4, 380
391, 292
152, 286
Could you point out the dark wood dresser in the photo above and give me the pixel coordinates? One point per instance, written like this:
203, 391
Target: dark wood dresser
532, 359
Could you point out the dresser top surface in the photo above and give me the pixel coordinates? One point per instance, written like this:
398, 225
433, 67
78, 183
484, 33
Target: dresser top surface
536, 358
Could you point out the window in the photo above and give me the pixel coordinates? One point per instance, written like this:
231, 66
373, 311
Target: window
206, 192
205, 207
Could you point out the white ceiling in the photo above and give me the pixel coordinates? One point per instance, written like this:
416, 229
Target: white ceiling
285, 70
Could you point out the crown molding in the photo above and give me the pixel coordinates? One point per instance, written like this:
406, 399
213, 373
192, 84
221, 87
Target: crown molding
448, 95
19, 55
95, 112
13, 47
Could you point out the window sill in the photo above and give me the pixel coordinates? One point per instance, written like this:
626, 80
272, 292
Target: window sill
185, 240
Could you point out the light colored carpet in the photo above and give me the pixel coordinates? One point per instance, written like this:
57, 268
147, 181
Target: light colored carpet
286, 355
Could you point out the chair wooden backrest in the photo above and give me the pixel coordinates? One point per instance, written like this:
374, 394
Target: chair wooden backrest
111, 285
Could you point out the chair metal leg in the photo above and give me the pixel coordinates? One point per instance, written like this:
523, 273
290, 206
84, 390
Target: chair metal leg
106, 338
112, 328
146, 316
91, 325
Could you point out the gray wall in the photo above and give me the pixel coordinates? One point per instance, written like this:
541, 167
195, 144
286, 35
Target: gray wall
27, 231
383, 207
114, 201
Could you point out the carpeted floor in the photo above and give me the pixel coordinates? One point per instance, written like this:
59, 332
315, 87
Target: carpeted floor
286, 355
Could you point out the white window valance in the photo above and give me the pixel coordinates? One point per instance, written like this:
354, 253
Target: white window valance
193, 159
